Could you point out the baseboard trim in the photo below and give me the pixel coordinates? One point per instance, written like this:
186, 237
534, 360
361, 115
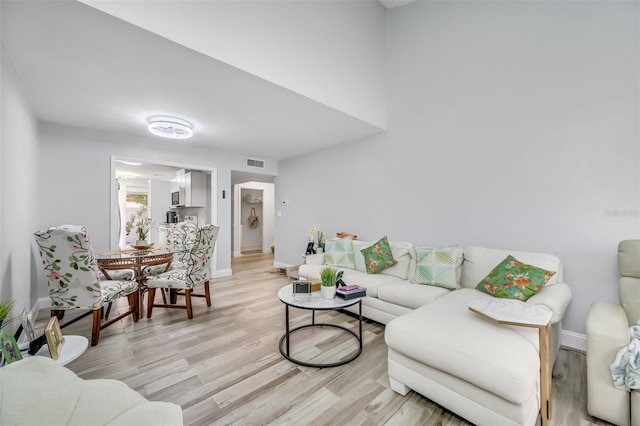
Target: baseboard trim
41, 303
222, 273
573, 340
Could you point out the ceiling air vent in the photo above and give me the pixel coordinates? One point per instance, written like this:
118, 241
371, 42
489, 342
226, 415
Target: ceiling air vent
255, 163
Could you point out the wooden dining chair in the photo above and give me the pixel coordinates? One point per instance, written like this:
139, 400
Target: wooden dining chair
196, 270
74, 279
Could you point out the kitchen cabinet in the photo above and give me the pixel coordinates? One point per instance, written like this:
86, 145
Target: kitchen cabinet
195, 189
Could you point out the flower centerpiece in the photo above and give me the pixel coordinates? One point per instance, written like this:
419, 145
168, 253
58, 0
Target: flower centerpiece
328, 277
142, 226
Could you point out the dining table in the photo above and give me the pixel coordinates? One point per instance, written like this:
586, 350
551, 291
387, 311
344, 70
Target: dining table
137, 260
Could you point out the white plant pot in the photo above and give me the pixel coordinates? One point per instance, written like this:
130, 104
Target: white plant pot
328, 292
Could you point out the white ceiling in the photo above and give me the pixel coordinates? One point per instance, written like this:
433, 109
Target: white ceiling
84, 68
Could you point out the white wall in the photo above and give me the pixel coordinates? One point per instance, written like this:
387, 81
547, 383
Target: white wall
329, 51
18, 177
77, 167
512, 125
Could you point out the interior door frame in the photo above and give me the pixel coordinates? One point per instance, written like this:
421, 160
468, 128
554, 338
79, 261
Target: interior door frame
115, 208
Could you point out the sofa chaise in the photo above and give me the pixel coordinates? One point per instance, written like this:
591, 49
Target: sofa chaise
485, 372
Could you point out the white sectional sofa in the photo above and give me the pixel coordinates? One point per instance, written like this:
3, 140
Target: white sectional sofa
485, 372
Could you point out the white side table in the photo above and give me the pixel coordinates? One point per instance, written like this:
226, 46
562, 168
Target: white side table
515, 312
73, 347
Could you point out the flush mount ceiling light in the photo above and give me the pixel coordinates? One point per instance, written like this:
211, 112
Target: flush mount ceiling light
170, 127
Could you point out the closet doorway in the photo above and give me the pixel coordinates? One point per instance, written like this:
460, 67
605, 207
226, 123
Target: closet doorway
253, 217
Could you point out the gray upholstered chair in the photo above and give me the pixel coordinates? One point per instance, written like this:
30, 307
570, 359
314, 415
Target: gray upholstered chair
194, 270
74, 279
608, 332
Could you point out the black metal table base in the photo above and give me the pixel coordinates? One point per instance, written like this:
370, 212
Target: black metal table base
286, 338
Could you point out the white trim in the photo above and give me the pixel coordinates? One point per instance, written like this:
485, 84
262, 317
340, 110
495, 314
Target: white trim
573, 340
222, 273
41, 303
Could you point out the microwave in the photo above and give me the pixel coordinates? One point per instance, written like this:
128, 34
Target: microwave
177, 198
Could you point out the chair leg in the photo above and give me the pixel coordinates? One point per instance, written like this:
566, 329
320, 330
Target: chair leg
133, 304
187, 298
151, 295
106, 315
173, 296
95, 331
207, 293
58, 313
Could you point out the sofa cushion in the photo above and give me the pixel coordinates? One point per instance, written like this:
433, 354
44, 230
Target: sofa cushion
446, 335
403, 254
378, 256
479, 261
439, 266
339, 252
358, 246
409, 295
512, 279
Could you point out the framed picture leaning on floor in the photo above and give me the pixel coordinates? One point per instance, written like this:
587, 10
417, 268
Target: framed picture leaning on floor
10, 351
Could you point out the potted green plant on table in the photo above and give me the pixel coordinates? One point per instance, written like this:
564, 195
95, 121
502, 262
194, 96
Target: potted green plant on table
328, 286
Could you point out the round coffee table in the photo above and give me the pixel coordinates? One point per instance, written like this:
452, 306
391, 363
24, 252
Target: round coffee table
314, 302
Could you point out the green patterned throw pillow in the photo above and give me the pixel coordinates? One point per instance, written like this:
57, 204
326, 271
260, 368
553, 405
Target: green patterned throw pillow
439, 266
512, 279
378, 257
339, 252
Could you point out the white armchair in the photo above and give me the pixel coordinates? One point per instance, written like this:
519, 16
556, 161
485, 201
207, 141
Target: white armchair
608, 332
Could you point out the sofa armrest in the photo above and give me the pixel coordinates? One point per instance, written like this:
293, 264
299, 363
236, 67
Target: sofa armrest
607, 333
314, 259
555, 297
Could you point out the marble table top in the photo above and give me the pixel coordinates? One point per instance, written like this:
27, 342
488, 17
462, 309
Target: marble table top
509, 311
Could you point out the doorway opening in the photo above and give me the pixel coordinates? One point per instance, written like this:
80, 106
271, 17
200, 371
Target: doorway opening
137, 179
253, 213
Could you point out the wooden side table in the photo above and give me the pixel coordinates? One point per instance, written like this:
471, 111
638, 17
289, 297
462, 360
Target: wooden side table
515, 312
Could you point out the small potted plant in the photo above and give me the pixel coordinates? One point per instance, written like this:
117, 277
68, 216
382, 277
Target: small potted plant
328, 286
320, 241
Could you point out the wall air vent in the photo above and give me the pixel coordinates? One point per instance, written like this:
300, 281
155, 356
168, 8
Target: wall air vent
255, 163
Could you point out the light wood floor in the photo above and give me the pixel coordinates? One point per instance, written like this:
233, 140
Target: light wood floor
223, 366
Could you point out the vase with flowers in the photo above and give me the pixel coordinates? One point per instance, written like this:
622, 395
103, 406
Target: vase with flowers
142, 226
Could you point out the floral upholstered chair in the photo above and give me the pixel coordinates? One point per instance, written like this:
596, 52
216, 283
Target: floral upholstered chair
195, 270
74, 280
182, 236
